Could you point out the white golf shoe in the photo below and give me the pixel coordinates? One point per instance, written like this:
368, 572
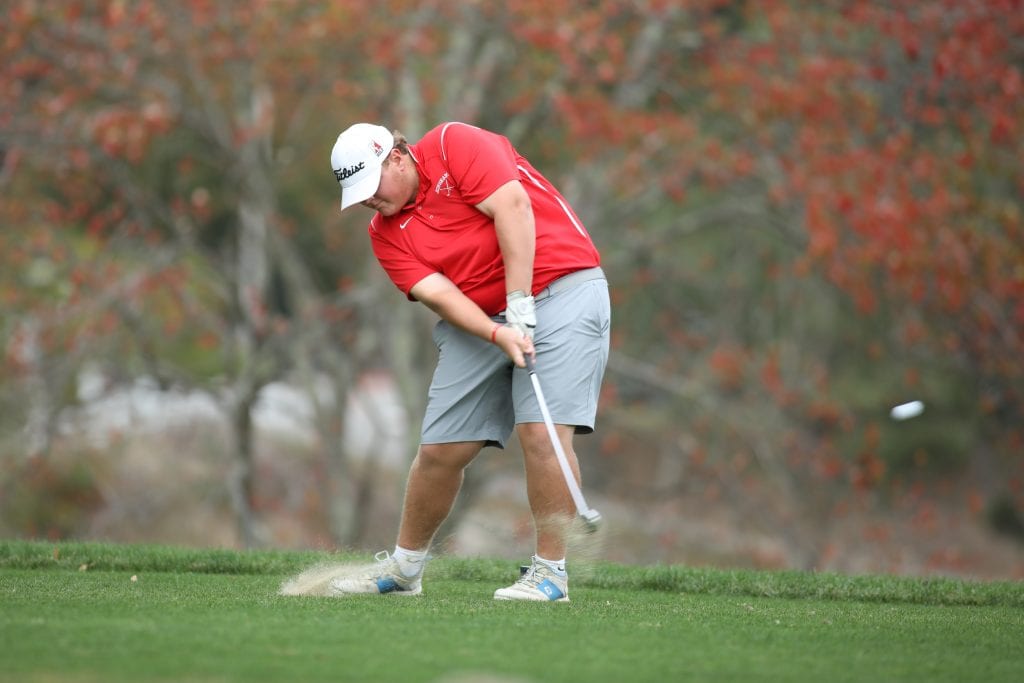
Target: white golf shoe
539, 583
383, 578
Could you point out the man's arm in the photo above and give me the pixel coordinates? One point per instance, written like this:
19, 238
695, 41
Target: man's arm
441, 295
509, 207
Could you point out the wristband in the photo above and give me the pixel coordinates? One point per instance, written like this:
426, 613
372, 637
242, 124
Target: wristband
494, 332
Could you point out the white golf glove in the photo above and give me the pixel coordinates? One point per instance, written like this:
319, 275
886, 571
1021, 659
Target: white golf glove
520, 313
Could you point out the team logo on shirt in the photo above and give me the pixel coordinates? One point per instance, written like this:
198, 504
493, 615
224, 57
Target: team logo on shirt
445, 184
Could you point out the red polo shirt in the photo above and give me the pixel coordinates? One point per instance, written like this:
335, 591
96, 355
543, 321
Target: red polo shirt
442, 231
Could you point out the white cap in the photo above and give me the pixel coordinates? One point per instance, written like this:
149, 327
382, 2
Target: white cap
356, 160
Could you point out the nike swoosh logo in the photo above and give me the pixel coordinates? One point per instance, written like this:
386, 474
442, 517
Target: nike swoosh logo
401, 226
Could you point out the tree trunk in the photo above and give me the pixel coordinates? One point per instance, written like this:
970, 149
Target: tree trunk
240, 478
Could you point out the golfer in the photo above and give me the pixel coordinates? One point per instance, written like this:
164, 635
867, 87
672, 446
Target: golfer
466, 226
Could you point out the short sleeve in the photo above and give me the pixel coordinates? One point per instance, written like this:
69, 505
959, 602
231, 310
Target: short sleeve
479, 161
404, 269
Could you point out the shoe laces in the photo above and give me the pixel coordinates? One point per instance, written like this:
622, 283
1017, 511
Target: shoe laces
533, 576
383, 560
386, 562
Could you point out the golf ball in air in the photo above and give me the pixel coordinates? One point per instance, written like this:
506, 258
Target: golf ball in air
905, 411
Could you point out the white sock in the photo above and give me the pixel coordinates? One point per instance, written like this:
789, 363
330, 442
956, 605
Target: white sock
557, 566
409, 561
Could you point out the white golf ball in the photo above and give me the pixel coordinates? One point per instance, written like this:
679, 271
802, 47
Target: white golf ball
905, 411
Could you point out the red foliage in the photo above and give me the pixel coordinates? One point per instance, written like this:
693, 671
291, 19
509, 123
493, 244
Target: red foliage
890, 133
728, 363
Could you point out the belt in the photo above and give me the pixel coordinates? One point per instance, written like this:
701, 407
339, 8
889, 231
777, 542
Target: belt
571, 280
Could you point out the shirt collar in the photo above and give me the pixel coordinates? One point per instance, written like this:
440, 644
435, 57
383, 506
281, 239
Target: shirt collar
421, 193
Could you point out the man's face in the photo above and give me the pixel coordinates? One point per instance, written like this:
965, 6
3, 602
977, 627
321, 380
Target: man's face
398, 184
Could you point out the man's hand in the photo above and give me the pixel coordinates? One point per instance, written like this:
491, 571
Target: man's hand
515, 345
520, 313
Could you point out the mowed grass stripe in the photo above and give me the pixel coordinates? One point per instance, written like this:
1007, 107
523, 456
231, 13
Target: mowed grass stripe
101, 625
672, 579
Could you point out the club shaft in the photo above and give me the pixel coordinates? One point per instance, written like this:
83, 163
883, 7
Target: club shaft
563, 461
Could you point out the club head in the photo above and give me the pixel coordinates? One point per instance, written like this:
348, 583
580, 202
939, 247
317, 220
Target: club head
591, 520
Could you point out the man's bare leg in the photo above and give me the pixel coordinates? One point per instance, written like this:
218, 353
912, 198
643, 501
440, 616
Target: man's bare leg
434, 482
550, 500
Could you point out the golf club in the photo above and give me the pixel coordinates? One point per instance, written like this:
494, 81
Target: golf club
591, 517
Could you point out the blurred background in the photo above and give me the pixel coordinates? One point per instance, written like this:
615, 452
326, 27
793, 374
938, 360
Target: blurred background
809, 213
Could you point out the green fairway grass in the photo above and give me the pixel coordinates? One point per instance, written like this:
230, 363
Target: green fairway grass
71, 612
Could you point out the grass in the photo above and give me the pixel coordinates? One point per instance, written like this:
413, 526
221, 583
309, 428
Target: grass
70, 612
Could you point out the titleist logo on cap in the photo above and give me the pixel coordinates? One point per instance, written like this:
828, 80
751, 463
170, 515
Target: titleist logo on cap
343, 173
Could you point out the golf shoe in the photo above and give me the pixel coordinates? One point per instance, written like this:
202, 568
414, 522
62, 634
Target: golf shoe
383, 578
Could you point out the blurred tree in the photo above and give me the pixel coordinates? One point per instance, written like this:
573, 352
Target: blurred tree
893, 131
808, 212
159, 136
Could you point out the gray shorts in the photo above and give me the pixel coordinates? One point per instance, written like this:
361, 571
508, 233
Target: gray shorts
477, 394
